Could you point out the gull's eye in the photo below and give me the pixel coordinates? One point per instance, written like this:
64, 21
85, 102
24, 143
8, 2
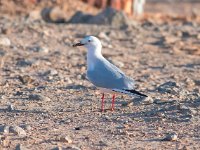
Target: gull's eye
89, 40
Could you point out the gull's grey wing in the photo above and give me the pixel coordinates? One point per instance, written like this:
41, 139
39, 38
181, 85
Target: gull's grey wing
106, 75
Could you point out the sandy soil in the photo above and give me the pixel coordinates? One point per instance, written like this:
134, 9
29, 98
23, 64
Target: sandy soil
44, 90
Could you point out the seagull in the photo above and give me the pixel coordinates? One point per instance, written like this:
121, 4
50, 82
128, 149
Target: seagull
103, 74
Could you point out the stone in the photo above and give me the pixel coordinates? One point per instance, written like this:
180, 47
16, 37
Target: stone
63, 138
170, 137
6, 129
80, 17
34, 15
73, 147
37, 97
41, 49
108, 16
26, 127
53, 15
127, 104
2, 52
26, 79
20, 147
189, 82
52, 72
24, 63
147, 100
5, 141
10, 107
18, 131
171, 39
4, 41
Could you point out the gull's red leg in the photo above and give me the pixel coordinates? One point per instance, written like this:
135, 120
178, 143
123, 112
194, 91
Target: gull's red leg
102, 103
113, 102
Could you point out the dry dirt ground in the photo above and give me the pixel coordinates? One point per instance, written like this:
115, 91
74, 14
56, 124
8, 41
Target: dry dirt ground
44, 90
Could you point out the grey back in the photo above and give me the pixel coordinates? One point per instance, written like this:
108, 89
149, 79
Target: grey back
106, 75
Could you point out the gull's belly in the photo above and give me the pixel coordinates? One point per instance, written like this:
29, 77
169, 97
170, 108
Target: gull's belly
104, 90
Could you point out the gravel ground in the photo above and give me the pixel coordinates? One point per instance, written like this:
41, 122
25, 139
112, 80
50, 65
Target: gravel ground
46, 101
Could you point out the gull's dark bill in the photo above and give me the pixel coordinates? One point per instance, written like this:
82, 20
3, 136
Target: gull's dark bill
78, 44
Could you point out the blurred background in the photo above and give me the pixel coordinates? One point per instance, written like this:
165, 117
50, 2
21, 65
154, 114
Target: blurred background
64, 9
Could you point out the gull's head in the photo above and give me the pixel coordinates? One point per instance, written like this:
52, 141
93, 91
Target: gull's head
90, 42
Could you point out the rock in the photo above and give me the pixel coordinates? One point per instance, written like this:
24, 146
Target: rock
108, 16
52, 72
127, 104
53, 15
26, 79
2, 52
171, 39
38, 49
4, 129
189, 82
171, 137
102, 143
34, 15
57, 148
148, 100
20, 147
18, 93
169, 87
5, 141
18, 131
37, 97
193, 111
10, 107
67, 148
63, 138
77, 128
184, 148
80, 17
73, 147
4, 41
24, 63
26, 127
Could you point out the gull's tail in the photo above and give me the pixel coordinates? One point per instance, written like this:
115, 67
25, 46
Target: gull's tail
130, 92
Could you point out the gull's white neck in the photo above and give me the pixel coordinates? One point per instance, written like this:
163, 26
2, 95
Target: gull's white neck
93, 54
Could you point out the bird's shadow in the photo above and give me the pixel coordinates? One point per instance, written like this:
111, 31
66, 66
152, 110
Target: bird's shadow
167, 111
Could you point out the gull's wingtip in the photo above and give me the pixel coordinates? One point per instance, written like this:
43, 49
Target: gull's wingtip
136, 92
130, 92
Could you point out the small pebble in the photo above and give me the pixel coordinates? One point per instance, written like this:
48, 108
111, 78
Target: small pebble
20, 147
127, 104
38, 97
147, 100
171, 137
10, 107
73, 147
18, 131
4, 41
26, 79
6, 129
26, 127
66, 139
